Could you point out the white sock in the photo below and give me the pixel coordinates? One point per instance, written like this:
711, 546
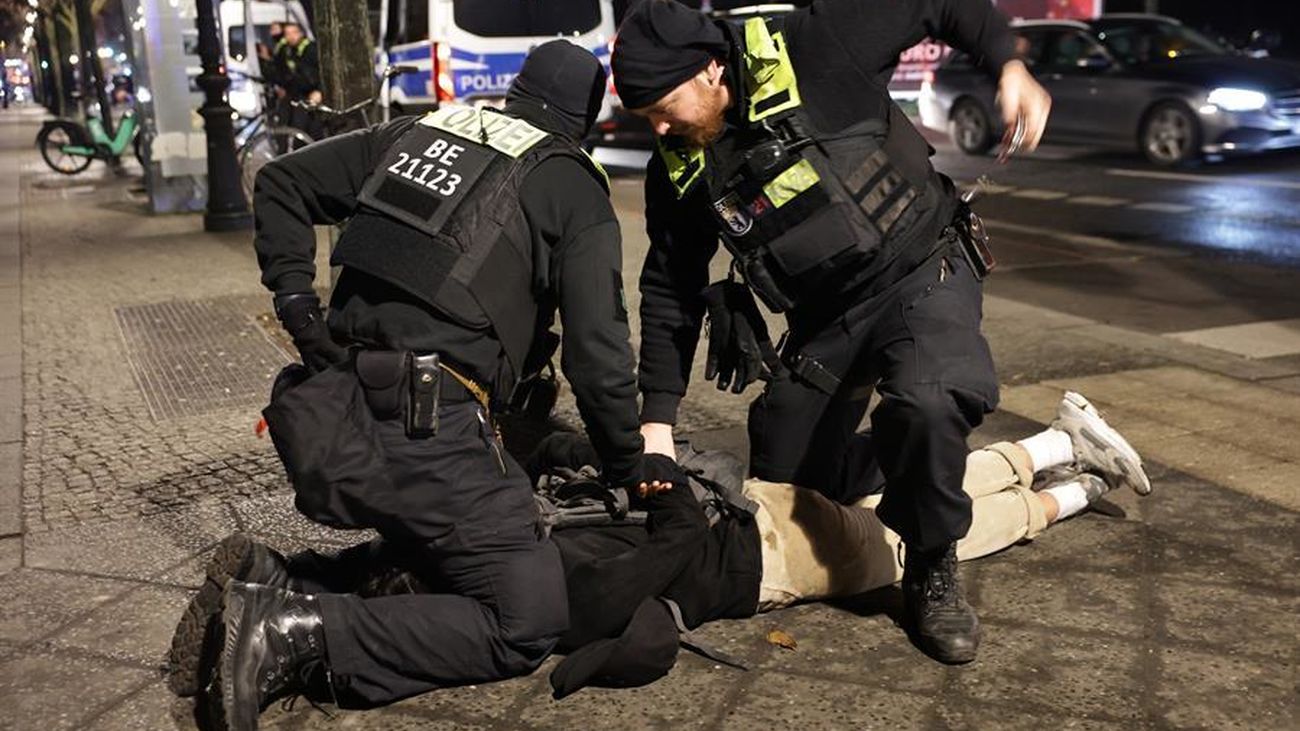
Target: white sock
1048, 448
1070, 499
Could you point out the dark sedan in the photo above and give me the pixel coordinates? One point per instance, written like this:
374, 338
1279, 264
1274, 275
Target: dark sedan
1125, 80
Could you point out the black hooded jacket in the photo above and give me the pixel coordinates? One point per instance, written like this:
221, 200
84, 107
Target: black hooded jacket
577, 252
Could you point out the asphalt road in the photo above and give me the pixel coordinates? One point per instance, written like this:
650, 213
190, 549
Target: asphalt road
1163, 251
1189, 251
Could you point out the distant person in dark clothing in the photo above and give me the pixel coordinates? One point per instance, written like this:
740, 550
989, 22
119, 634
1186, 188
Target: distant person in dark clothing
299, 63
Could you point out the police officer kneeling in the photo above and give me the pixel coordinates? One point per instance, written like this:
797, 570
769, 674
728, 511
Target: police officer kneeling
467, 230
780, 135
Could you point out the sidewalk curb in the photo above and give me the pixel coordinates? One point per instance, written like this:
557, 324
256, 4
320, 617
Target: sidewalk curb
1197, 356
11, 356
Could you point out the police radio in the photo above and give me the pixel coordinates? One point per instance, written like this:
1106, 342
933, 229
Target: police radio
764, 162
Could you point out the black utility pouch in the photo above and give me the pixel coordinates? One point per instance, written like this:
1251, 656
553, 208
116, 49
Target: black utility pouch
383, 379
422, 406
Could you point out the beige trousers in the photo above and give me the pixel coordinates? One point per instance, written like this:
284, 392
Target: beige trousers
814, 548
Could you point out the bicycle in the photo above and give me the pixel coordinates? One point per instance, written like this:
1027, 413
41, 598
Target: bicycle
265, 138
69, 147
268, 139
356, 116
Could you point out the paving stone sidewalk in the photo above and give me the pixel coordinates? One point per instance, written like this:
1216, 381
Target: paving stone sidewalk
142, 362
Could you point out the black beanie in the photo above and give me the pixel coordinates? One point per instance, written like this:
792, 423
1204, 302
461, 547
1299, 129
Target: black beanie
560, 88
660, 44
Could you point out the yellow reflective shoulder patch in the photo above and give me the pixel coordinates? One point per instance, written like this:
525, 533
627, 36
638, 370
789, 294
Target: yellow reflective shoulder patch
488, 127
684, 166
769, 75
791, 182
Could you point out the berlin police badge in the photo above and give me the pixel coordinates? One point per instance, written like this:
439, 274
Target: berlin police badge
733, 214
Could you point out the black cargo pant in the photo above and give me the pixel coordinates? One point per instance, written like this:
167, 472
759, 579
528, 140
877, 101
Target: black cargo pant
919, 344
468, 528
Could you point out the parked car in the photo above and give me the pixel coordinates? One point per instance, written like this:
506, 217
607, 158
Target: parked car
1125, 80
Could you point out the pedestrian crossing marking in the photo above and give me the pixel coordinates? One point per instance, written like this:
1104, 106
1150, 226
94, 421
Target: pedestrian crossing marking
1204, 179
1267, 339
1098, 200
1040, 195
1160, 207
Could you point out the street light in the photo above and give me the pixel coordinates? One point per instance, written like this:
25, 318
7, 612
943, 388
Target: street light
227, 210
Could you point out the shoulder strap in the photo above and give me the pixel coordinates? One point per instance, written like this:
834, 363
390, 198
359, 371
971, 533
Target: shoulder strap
596, 168
692, 643
575, 499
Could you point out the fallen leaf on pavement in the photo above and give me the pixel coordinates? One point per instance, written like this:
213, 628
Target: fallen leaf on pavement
781, 639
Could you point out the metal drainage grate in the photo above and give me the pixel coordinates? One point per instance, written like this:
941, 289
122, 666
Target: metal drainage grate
192, 357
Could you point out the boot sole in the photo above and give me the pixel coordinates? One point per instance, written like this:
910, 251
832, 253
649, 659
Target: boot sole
194, 644
233, 619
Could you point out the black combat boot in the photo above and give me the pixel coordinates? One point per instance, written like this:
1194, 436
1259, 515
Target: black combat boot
196, 642
274, 646
943, 625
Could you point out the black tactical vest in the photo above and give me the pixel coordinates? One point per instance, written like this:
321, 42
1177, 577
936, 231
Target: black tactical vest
804, 209
464, 246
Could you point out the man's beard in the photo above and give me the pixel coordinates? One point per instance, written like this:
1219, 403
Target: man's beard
705, 134
702, 136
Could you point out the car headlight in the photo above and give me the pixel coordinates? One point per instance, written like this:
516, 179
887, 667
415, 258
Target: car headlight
1238, 100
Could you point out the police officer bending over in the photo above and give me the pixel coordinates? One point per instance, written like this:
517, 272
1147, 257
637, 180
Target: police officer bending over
780, 136
466, 230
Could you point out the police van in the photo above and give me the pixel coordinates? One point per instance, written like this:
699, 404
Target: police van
468, 51
246, 96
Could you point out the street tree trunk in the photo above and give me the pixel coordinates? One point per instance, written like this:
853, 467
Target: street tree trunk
47, 45
343, 32
64, 42
347, 72
92, 70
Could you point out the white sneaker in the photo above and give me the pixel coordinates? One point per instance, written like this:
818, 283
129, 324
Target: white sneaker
1093, 486
1098, 447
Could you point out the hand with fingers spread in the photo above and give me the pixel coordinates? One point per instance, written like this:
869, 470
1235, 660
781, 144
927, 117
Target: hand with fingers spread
652, 489
1025, 106
659, 473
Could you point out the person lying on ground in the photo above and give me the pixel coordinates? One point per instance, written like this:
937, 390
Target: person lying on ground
636, 587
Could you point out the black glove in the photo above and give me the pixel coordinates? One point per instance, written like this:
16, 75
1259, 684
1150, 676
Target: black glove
661, 467
302, 319
740, 348
563, 449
